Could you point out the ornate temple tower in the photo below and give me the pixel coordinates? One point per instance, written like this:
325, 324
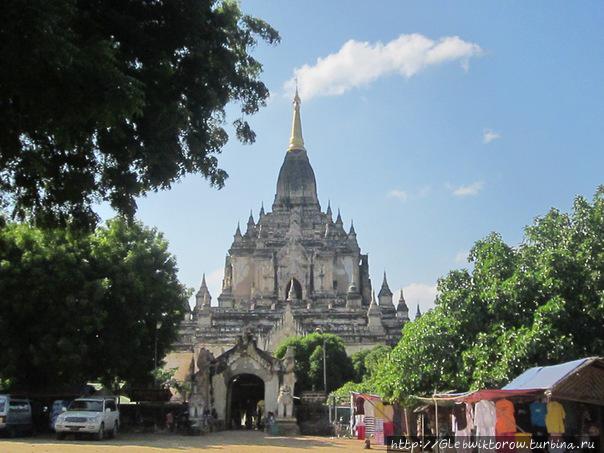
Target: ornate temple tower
295, 270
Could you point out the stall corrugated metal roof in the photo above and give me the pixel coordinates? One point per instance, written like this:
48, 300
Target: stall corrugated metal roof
580, 380
544, 377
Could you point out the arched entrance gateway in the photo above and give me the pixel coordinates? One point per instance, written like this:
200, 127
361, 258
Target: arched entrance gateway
244, 385
245, 402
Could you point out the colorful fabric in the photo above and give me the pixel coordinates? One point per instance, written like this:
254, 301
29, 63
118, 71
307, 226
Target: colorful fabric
388, 428
554, 420
506, 422
379, 431
485, 417
369, 408
538, 411
369, 424
523, 417
359, 405
361, 432
379, 410
459, 414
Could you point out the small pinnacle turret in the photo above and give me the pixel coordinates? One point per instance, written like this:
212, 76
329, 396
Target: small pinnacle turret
203, 297
328, 212
374, 316
385, 290
402, 311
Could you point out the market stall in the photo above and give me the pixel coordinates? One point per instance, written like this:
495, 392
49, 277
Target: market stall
557, 407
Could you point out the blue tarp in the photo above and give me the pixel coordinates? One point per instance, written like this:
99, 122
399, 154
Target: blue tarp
544, 377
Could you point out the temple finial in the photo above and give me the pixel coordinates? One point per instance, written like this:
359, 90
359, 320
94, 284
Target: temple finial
296, 141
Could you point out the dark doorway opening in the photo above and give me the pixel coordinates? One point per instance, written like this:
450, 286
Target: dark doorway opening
246, 402
297, 289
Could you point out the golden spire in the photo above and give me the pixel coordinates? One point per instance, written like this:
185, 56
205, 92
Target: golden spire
296, 141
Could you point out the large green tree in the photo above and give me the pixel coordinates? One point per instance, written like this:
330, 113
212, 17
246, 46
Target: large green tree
536, 304
308, 352
366, 361
79, 307
107, 100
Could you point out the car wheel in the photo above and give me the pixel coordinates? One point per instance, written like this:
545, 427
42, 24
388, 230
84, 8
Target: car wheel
60, 436
101, 434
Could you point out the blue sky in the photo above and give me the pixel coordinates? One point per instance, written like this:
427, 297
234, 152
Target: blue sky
439, 123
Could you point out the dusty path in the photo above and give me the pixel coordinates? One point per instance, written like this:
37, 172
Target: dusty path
226, 441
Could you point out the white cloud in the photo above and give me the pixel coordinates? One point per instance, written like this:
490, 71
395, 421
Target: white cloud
399, 194
404, 195
417, 293
469, 190
488, 135
359, 63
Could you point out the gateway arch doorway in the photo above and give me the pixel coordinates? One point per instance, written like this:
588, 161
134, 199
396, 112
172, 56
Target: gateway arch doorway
245, 408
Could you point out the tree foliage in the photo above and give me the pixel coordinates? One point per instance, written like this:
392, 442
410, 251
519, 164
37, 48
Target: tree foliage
308, 352
80, 307
108, 100
366, 361
536, 304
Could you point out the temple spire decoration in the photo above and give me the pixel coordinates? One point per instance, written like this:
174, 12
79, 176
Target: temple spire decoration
296, 141
261, 211
418, 313
402, 311
385, 290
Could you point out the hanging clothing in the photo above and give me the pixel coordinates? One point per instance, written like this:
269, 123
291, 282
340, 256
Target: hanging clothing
523, 417
485, 417
462, 423
379, 410
369, 425
379, 431
359, 406
388, 428
538, 411
554, 420
506, 422
369, 408
460, 420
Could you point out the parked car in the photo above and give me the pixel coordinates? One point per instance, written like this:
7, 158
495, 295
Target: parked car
57, 408
15, 416
97, 416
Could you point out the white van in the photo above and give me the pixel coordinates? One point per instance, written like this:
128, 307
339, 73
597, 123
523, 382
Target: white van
96, 416
15, 416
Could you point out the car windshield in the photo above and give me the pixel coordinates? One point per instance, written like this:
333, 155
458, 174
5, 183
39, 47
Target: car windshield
86, 405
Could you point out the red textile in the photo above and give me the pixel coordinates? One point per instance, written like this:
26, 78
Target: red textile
388, 428
361, 432
498, 394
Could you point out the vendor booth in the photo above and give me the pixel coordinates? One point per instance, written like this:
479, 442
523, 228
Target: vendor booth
559, 408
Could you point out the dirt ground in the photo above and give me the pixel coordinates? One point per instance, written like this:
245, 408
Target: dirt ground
226, 441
